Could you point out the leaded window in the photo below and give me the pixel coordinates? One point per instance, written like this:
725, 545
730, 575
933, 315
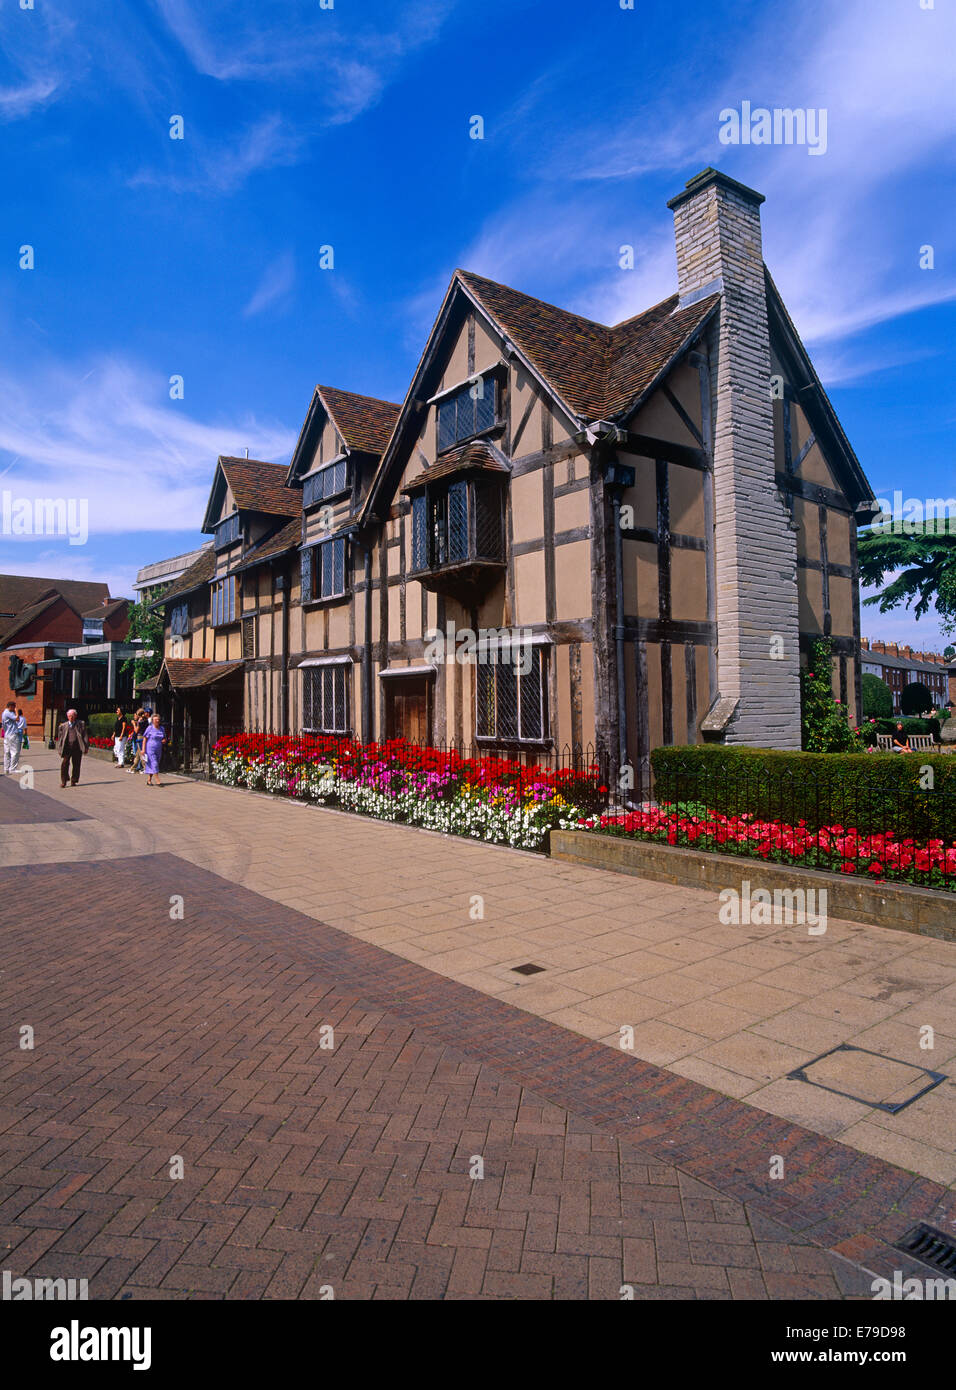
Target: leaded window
511, 694
223, 594
330, 481
324, 570
179, 620
467, 412
325, 699
227, 531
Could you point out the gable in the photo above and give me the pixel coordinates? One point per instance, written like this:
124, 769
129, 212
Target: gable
829, 455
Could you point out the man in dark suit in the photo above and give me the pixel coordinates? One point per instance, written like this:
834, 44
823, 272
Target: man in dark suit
71, 743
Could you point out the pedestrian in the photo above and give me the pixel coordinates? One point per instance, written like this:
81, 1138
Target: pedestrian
14, 731
121, 732
71, 743
140, 723
901, 743
154, 740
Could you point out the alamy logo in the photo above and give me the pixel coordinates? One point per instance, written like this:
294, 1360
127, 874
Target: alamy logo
14, 1290
782, 907
45, 516
489, 646
76, 1343
778, 125
940, 1290
905, 516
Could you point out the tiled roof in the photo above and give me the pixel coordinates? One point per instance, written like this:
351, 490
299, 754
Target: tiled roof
259, 487
902, 663
18, 591
363, 421
598, 371
477, 455
106, 610
200, 572
186, 673
286, 538
10, 626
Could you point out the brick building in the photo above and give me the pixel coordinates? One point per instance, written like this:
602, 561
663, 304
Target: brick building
62, 642
899, 666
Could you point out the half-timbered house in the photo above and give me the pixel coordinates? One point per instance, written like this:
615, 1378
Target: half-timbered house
569, 534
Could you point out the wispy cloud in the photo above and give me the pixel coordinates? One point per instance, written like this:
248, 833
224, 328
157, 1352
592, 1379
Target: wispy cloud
108, 432
223, 167
348, 67
276, 284
841, 240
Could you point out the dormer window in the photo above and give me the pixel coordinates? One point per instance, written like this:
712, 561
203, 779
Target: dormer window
469, 411
226, 532
330, 481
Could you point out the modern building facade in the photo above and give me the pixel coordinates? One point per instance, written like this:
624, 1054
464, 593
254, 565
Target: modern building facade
567, 535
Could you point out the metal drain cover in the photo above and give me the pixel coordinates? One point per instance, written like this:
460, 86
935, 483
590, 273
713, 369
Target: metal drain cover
933, 1247
528, 969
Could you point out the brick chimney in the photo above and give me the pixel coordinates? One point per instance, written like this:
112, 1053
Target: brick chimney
865, 643
719, 251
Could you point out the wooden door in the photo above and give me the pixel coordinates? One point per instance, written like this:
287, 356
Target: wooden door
406, 708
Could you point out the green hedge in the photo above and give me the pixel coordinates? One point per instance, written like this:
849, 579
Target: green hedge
870, 791
100, 725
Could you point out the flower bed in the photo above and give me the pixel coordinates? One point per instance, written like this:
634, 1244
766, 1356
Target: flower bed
836, 848
498, 800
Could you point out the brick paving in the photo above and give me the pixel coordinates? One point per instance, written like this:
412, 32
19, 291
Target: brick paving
307, 1166
21, 805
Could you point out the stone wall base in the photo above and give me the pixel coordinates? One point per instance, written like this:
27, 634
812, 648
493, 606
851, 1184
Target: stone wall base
899, 906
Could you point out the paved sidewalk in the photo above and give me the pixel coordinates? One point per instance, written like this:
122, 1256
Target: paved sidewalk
435, 1144
734, 1008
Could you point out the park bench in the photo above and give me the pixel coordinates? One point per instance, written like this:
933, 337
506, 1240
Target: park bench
919, 743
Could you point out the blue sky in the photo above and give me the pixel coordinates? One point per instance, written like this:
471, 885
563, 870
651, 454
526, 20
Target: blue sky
349, 127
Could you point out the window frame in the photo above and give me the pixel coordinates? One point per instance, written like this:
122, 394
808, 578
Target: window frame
179, 619
315, 563
485, 670
454, 400
326, 476
219, 590
220, 540
444, 542
341, 700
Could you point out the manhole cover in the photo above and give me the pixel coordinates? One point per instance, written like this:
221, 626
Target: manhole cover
885, 1083
528, 969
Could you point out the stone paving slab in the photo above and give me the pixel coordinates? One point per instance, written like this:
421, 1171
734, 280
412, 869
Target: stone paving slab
305, 1166
21, 805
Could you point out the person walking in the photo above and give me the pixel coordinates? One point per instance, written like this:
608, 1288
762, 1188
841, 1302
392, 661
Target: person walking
140, 724
14, 731
71, 743
153, 741
121, 732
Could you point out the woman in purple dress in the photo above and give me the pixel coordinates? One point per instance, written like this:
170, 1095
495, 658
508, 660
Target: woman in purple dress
153, 740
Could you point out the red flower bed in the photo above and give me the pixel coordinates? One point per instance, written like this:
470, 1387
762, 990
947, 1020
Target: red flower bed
101, 743
584, 787
838, 848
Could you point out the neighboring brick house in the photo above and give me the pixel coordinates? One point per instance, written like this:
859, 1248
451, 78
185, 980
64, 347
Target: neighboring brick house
899, 666
645, 525
59, 641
